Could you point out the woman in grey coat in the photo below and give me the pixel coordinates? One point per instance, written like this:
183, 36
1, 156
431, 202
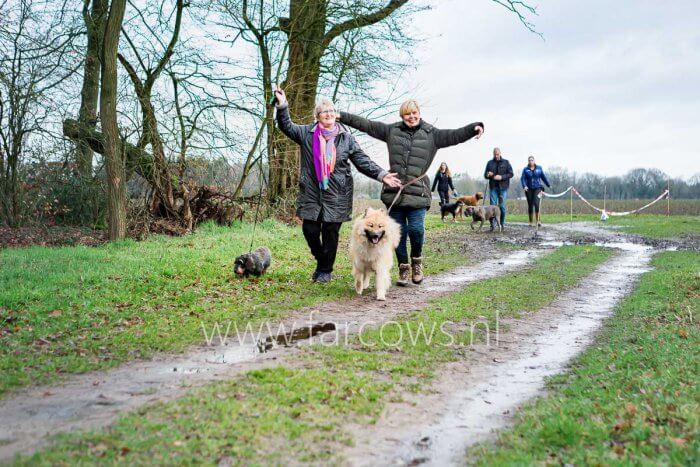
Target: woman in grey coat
412, 144
325, 179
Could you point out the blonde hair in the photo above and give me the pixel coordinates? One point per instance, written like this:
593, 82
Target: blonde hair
322, 102
409, 106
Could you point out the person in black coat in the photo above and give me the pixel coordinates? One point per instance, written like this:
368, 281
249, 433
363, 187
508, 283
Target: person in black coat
325, 180
498, 172
443, 181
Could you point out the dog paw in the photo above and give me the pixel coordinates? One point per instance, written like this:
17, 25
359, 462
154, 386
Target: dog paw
381, 298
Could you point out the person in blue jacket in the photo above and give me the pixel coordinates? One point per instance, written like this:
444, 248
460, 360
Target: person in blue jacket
531, 180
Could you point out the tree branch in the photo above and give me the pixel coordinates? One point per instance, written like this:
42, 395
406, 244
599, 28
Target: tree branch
516, 6
362, 21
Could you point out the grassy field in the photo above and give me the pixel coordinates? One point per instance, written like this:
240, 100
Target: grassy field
75, 309
274, 415
678, 207
634, 398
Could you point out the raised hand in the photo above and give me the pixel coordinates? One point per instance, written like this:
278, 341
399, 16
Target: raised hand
281, 96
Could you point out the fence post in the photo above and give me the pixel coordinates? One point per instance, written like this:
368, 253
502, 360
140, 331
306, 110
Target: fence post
571, 205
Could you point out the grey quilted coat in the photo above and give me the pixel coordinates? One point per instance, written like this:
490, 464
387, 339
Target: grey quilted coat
411, 151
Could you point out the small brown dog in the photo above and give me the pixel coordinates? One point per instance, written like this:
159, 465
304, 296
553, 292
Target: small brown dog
469, 200
485, 213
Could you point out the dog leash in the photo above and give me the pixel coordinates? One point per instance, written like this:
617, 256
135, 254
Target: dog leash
398, 194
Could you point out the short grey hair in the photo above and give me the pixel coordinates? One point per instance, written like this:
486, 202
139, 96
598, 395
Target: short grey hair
322, 102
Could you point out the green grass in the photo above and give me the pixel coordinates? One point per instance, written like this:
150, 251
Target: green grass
76, 309
271, 416
634, 398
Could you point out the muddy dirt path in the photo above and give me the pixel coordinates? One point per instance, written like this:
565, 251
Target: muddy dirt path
31, 416
472, 398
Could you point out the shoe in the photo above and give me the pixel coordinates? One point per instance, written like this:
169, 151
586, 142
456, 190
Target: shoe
324, 277
314, 276
417, 270
404, 272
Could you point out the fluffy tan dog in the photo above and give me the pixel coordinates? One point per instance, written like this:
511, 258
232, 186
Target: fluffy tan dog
375, 235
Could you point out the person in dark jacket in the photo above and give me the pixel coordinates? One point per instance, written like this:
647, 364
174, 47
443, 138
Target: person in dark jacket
443, 181
531, 180
412, 145
325, 180
498, 172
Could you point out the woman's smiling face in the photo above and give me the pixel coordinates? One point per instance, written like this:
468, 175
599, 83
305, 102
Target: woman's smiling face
411, 118
326, 116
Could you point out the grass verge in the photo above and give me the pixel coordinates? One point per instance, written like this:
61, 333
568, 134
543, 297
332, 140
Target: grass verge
77, 309
634, 398
278, 414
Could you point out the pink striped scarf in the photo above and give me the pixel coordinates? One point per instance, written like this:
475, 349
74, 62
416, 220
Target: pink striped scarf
324, 154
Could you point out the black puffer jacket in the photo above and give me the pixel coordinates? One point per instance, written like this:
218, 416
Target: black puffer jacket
336, 201
442, 181
411, 151
502, 168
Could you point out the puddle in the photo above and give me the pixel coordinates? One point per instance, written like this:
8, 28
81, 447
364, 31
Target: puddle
544, 343
488, 269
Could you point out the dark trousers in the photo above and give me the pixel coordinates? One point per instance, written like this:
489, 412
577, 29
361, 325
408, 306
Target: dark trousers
322, 238
444, 197
533, 201
412, 222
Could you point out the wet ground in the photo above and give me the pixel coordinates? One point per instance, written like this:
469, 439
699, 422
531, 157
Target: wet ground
473, 398
95, 400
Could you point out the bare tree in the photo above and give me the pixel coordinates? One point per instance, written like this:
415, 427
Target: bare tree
95, 17
311, 28
114, 153
35, 41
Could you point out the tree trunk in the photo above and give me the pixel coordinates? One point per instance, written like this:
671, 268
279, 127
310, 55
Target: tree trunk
94, 23
305, 30
113, 151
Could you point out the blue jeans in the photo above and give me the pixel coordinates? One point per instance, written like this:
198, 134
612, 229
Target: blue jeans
498, 196
412, 222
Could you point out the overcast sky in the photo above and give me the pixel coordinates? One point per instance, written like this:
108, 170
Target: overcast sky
614, 85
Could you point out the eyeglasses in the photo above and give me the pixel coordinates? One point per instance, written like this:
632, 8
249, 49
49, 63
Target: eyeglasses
327, 112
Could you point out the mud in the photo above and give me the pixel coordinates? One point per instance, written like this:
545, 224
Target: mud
30, 417
608, 234
473, 398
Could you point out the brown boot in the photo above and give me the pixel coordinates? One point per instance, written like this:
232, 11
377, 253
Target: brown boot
530, 216
417, 270
404, 272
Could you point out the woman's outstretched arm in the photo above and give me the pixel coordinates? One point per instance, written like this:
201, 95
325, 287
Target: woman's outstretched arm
373, 128
445, 138
284, 121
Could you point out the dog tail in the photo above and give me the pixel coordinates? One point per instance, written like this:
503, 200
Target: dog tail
394, 230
